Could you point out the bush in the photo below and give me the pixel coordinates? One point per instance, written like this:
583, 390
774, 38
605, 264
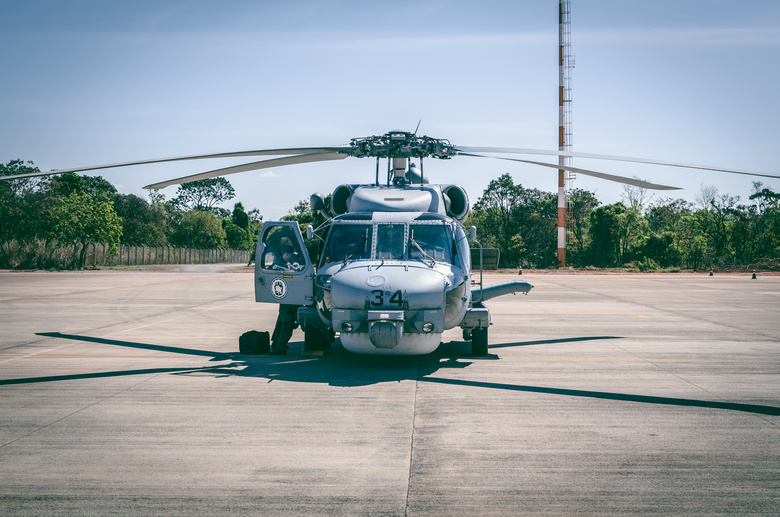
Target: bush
648, 265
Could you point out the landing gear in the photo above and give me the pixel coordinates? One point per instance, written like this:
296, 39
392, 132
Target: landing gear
479, 342
316, 338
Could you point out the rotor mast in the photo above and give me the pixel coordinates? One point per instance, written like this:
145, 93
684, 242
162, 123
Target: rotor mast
565, 65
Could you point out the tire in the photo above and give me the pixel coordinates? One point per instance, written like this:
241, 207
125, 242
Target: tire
313, 340
479, 342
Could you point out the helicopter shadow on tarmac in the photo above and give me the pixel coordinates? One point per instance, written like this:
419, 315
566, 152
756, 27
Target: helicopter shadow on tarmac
342, 369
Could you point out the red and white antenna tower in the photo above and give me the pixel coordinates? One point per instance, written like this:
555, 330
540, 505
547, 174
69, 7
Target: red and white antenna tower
565, 66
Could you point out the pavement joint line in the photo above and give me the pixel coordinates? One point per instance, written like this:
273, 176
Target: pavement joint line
89, 291
84, 408
411, 440
655, 365
33, 354
690, 315
176, 313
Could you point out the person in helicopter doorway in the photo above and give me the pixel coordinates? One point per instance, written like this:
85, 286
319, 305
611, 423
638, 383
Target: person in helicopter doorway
285, 321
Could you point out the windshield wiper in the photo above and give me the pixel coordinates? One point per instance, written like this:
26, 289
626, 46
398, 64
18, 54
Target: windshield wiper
422, 251
358, 250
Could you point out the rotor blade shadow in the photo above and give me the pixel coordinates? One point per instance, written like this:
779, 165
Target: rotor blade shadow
554, 341
97, 375
143, 346
748, 408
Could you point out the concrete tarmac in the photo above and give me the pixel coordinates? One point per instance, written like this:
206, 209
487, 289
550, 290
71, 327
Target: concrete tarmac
124, 393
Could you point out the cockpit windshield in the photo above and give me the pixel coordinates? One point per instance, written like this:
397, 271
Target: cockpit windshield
430, 242
427, 242
349, 242
390, 241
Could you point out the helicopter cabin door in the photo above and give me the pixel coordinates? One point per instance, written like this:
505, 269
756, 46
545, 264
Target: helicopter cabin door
284, 273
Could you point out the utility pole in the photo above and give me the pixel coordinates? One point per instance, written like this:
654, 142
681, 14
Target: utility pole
565, 65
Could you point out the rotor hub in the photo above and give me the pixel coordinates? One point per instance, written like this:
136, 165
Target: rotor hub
401, 144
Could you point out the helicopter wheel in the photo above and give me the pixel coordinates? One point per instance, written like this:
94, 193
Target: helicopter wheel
314, 340
479, 342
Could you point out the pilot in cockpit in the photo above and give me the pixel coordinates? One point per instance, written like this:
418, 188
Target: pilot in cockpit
289, 260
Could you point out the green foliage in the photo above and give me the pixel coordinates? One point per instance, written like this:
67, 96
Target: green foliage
142, 223
581, 205
520, 222
303, 214
36, 214
199, 229
669, 233
240, 217
18, 187
80, 218
203, 195
70, 183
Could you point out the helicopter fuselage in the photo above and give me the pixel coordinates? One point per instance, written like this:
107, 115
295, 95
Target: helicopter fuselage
393, 270
409, 284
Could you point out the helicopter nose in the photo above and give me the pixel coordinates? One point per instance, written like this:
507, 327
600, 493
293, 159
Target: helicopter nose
395, 288
388, 310
385, 333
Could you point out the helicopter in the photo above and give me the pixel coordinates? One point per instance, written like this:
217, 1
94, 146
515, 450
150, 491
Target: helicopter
391, 268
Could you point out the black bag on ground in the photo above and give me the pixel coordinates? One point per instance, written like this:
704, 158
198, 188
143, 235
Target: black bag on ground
254, 342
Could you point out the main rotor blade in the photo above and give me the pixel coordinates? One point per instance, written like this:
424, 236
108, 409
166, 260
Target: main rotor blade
513, 150
264, 164
595, 174
238, 154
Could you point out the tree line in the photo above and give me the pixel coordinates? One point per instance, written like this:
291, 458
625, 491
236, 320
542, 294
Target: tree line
74, 210
716, 231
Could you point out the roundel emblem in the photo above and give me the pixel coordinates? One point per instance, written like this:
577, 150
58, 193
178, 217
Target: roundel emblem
279, 288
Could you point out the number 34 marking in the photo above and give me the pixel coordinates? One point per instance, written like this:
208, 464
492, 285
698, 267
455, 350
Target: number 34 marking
378, 300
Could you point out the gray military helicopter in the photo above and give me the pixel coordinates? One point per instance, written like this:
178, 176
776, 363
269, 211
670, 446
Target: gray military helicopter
392, 267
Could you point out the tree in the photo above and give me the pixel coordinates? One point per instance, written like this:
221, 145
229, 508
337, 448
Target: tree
80, 219
69, 183
493, 216
19, 187
635, 197
239, 230
582, 204
203, 195
715, 223
199, 229
536, 215
303, 214
604, 234
765, 236
615, 232
706, 195
17, 213
240, 217
142, 224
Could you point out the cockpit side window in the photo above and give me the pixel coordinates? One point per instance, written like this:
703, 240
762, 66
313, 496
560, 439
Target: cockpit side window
282, 250
348, 242
390, 241
430, 242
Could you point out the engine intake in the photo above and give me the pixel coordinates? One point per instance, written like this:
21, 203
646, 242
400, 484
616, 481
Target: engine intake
457, 202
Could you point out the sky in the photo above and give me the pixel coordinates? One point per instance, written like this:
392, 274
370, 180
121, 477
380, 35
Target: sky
90, 82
